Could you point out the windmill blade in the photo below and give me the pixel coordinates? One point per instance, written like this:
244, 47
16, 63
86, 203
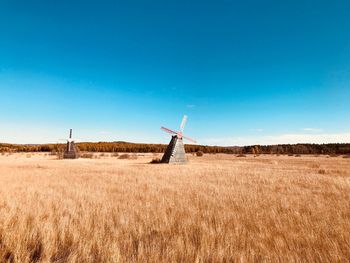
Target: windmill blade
63, 141
168, 130
189, 139
183, 123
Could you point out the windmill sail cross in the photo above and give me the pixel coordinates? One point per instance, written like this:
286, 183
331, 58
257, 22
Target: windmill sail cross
175, 152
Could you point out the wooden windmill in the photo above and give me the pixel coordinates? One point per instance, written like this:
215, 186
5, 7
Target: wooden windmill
175, 152
71, 150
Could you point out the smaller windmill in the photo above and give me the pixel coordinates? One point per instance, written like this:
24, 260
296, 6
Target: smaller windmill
71, 151
175, 152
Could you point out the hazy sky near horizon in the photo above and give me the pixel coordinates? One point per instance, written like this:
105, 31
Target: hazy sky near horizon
245, 72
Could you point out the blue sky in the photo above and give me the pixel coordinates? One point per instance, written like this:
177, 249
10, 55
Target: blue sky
244, 72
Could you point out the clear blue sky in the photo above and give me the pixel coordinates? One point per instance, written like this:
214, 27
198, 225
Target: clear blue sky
244, 72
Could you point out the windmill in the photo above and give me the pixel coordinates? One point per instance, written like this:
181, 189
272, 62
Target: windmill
175, 152
71, 151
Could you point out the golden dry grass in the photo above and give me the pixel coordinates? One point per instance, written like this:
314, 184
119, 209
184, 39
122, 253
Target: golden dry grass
218, 208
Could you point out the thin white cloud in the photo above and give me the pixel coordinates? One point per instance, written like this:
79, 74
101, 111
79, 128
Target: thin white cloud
256, 130
279, 139
312, 130
190, 106
104, 132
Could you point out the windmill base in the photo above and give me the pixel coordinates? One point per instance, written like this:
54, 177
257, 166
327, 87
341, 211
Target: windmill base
71, 151
175, 152
70, 155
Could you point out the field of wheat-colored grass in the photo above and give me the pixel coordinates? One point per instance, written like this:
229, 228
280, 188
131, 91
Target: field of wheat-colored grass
217, 208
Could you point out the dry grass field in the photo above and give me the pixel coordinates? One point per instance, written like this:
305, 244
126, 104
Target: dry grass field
218, 208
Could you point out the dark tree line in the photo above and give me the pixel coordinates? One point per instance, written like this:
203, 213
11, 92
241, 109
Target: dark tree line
335, 148
110, 147
332, 148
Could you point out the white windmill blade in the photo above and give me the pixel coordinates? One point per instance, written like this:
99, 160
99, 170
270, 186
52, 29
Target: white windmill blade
64, 140
70, 133
168, 130
183, 123
189, 139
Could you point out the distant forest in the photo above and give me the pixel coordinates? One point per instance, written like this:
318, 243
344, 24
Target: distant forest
334, 148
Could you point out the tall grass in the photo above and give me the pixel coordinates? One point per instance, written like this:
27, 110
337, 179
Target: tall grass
217, 208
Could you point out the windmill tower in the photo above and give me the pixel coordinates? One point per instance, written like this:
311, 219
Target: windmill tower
175, 152
71, 151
